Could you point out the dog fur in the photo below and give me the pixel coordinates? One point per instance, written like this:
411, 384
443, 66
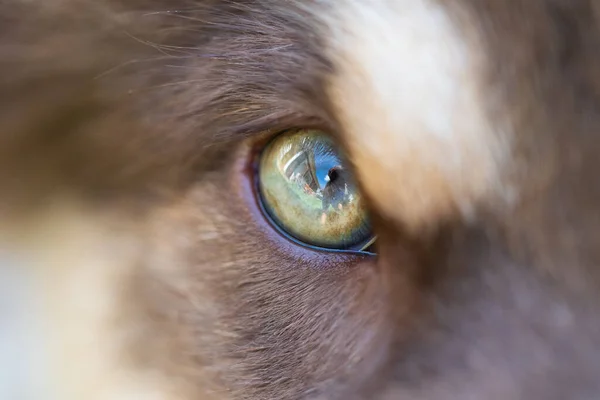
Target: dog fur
130, 130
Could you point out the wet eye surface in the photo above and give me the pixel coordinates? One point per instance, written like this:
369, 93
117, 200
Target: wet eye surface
308, 191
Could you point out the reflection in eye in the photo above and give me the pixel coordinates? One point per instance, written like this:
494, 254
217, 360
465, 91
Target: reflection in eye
308, 191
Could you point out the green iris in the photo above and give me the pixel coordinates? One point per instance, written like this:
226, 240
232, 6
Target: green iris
309, 192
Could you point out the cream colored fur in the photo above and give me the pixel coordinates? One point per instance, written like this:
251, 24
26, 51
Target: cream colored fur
408, 94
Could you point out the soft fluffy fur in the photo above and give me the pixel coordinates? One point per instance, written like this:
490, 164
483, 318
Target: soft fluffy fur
129, 130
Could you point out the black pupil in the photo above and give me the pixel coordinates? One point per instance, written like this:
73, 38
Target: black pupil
333, 174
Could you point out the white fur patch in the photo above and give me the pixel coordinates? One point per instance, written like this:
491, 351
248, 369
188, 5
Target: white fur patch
407, 95
21, 334
76, 340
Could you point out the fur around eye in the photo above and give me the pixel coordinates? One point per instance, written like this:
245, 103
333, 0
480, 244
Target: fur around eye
309, 192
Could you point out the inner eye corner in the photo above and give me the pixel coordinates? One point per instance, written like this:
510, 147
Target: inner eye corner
306, 191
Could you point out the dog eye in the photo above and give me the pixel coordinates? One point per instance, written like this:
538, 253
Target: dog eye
308, 191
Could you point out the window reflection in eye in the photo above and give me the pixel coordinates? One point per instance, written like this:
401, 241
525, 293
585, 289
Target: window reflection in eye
309, 192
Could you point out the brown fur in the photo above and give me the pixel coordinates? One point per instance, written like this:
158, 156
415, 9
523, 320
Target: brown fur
143, 118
